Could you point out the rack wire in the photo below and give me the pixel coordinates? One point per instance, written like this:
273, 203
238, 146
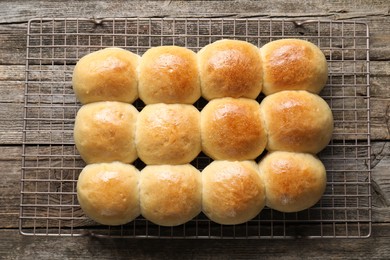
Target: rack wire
51, 163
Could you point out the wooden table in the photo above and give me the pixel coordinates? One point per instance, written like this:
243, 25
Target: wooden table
13, 24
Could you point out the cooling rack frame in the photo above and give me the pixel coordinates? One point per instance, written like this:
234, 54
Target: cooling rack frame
51, 163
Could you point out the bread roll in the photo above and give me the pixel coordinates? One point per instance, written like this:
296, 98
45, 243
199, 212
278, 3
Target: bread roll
169, 74
108, 192
230, 68
168, 134
293, 64
294, 181
106, 75
170, 194
232, 129
105, 131
297, 121
233, 192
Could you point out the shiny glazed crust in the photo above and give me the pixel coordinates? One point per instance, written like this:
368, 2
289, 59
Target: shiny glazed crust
169, 74
230, 68
232, 129
233, 192
108, 192
168, 134
106, 75
297, 121
105, 131
294, 181
170, 194
293, 64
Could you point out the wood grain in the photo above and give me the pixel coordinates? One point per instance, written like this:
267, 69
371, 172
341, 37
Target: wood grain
375, 247
14, 16
21, 11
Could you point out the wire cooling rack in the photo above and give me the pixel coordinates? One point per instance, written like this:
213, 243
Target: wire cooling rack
51, 163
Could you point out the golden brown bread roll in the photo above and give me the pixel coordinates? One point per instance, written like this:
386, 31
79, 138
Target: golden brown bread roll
108, 192
106, 75
293, 181
168, 134
232, 129
169, 74
293, 64
105, 131
170, 195
297, 121
230, 68
233, 192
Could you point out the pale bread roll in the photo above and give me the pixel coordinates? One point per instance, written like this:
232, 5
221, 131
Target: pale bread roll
108, 192
233, 192
170, 195
293, 64
106, 75
232, 129
230, 68
105, 132
293, 181
168, 134
297, 121
169, 74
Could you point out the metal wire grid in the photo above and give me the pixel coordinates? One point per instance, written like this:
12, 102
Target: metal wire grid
51, 163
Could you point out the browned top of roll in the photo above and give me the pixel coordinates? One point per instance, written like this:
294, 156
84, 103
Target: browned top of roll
168, 134
105, 132
294, 181
108, 192
297, 121
169, 74
230, 68
170, 195
232, 129
233, 192
293, 64
106, 75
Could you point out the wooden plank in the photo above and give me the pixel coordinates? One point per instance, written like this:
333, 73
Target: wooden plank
15, 246
83, 36
10, 161
13, 38
12, 10
379, 120
380, 178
